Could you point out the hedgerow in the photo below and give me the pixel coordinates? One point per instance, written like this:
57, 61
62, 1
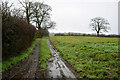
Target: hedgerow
17, 35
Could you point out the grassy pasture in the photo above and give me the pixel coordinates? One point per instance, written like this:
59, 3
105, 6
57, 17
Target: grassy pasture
92, 57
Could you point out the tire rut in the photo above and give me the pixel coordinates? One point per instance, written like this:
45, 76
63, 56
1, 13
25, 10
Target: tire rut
56, 66
27, 69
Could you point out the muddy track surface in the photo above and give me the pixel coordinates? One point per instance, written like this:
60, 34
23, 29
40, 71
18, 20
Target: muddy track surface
26, 69
56, 66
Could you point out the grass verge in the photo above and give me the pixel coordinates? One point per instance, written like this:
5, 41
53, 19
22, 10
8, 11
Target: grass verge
44, 54
13, 60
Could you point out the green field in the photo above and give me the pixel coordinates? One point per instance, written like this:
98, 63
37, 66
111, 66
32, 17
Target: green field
92, 57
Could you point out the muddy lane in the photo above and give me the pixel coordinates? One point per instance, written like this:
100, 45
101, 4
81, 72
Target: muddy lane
56, 66
27, 69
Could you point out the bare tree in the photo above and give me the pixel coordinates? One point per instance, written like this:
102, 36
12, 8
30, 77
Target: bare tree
27, 5
36, 9
17, 13
49, 25
41, 14
99, 24
6, 10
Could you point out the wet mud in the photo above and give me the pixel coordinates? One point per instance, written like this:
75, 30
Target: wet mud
29, 69
56, 66
26, 69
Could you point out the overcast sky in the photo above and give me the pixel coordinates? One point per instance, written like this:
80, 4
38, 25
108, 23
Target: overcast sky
75, 15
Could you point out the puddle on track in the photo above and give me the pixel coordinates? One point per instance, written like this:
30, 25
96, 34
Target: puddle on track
56, 67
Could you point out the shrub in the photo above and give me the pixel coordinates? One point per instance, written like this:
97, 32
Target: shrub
17, 35
42, 32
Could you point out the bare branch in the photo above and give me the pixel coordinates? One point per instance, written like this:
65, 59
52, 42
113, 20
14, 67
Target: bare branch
21, 3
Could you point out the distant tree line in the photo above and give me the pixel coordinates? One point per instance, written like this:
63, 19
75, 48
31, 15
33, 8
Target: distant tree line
83, 34
17, 30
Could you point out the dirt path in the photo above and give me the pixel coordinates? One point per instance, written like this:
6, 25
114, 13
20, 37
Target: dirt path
26, 69
29, 68
56, 66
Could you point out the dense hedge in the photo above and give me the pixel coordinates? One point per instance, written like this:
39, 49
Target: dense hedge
17, 35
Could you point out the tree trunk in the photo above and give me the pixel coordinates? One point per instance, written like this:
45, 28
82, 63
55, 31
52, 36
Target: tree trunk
39, 27
98, 33
27, 16
28, 21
